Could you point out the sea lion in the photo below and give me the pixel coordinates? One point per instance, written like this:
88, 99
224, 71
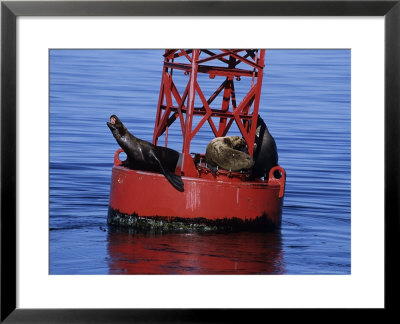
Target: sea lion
265, 151
229, 153
142, 155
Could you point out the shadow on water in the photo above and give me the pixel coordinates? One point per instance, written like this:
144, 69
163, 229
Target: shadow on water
194, 253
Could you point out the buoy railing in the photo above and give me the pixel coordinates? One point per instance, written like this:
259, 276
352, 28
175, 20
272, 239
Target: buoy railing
204, 171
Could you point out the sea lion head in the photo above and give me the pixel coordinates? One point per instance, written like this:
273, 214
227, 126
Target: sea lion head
239, 143
117, 128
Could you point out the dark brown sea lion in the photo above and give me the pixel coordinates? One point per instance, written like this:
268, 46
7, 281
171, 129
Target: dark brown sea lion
142, 155
265, 151
228, 153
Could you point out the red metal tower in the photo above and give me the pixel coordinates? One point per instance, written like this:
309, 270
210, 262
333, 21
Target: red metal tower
228, 64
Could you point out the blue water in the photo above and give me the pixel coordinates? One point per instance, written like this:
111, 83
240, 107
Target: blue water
305, 102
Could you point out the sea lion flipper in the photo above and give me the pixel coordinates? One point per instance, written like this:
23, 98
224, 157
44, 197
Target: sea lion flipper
173, 178
134, 148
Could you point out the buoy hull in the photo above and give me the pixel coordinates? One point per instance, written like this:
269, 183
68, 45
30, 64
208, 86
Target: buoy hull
146, 200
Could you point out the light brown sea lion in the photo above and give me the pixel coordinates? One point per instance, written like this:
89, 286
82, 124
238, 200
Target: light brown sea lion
228, 153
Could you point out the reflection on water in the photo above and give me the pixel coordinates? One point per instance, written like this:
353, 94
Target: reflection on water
194, 253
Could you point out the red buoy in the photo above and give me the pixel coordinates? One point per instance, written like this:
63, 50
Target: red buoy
211, 200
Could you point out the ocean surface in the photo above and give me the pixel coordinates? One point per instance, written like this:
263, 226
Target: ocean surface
305, 103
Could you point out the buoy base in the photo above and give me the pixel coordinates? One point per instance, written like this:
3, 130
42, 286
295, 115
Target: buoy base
209, 202
180, 224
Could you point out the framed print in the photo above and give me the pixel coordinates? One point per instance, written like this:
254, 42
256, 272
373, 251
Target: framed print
329, 97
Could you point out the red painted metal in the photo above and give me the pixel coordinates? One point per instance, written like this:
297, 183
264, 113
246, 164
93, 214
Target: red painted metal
210, 196
229, 112
207, 195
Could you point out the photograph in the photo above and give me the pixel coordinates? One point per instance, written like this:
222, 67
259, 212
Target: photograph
200, 161
252, 170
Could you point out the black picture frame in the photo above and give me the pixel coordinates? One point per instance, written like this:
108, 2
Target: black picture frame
10, 10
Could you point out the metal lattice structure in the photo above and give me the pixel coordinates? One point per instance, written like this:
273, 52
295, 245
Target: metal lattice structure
182, 107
